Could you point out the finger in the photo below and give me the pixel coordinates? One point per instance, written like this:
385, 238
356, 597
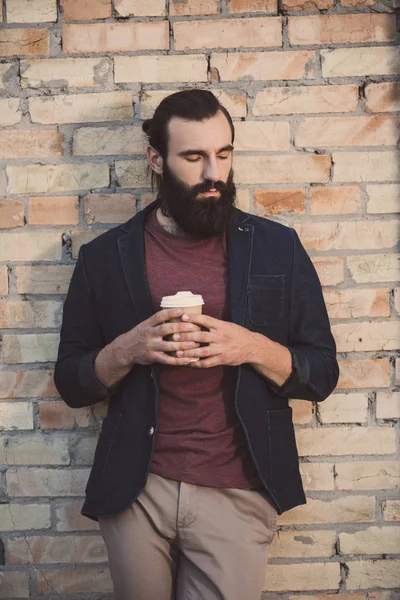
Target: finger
166, 359
165, 315
201, 319
170, 328
205, 337
202, 352
176, 346
206, 363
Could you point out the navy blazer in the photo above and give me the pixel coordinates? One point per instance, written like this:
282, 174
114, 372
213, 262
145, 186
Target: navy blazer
273, 290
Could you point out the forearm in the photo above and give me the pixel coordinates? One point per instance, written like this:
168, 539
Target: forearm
270, 359
111, 366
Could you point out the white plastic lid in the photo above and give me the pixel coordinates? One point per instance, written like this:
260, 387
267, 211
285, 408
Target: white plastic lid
181, 300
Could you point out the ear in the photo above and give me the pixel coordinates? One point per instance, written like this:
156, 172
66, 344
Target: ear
155, 160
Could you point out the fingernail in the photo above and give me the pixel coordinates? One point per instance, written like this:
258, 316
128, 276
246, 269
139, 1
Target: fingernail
185, 317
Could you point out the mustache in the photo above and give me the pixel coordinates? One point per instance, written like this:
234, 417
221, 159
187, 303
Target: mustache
208, 185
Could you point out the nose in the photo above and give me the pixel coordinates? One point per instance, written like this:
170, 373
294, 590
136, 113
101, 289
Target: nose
211, 170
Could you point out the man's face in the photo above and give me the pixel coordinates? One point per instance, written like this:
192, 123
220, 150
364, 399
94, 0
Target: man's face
197, 188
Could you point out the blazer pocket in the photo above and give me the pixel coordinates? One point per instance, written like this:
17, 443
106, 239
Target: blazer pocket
266, 296
103, 449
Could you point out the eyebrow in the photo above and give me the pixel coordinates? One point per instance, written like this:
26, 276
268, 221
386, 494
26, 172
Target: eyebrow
228, 148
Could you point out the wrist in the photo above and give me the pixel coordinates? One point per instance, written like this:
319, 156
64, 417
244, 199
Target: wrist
121, 353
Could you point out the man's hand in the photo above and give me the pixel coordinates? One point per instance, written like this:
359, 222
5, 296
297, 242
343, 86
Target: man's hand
230, 344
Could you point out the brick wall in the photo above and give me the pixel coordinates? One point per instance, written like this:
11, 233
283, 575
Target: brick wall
311, 86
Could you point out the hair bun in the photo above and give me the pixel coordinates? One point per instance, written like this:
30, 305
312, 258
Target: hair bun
146, 126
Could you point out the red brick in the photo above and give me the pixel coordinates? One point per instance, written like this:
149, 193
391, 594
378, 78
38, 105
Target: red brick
330, 269
364, 374
86, 10
274, 202
115, 37
342, 29
3, 281
27, 384
382, 97
231, 66
74, 580
322, 132
193, 7
57, 415
236, 6
24, 42
109, 208
307, 4
69, 518
11, 214
53, 210
46, 549
31, 143
334, 200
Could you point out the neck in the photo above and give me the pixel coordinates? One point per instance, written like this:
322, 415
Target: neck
170, 226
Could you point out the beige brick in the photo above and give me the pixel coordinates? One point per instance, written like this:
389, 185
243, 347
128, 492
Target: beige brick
140, 8
132, 173
3, 281
27, 384
81, 10
109, 208
234, 101
364, 337
45, 549
109, 141
62, 72
317, 476
388, 405
306, 99
9, 111
342, 29
20, 517
43, 279
374, 267
159, 69
357, 2
330, 269
243, 200
228, 33
348, 509
39, 179
324, 576
383, 198
262, 135
34, 451
364, 374
263, 65
11, 213
334, 200
53, 210
382, 97
16, 415
82, 237
355, 235
356, 62
281, 168
30, 246
307, 4
84, 450
31, 144
373, 540
359, 440
47, 482
303, 544
373, 573
23, 314
322, 132
391, 510
14, 584
80, 108
69, 518
30, 348
5, 72
344, 408
351, 596
75, 580
34, 11
355, 302
193, 7
302, 411
372, 475
57, 415
397, 370
115, 37
24, 42
236, 6
276, 201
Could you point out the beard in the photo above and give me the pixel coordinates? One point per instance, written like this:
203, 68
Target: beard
198, 217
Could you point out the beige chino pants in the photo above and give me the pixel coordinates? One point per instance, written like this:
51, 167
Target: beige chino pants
186, 542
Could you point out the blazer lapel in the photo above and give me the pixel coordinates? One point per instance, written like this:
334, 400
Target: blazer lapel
132, 255
240, 244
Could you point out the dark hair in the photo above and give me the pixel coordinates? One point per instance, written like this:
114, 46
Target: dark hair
192, 105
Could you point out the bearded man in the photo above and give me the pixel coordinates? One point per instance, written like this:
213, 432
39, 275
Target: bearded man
197, 454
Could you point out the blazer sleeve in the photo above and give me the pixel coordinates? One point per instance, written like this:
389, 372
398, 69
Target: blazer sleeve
315, 370
81, 340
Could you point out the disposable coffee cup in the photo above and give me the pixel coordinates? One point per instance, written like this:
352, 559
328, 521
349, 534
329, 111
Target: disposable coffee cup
190, 303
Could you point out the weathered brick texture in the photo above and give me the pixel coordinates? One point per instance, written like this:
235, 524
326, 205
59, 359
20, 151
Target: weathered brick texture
312, 88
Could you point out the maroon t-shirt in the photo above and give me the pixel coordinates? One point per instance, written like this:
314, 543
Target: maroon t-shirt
199, 438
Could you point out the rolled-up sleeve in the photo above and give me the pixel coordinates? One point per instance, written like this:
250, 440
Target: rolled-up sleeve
81, 340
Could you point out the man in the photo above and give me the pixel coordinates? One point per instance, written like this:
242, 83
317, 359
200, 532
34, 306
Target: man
195, 458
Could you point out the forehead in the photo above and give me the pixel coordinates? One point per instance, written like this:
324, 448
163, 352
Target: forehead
209, 135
